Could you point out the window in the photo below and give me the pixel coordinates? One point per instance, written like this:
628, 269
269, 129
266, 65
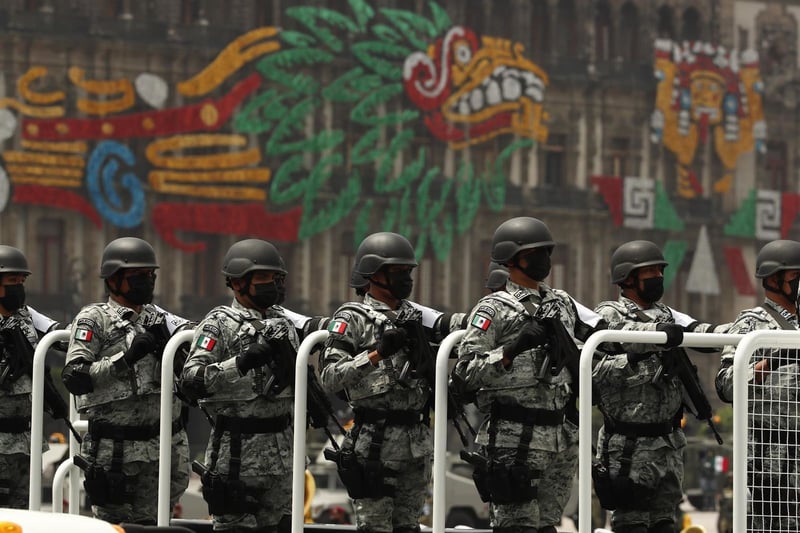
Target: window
666, 24
50, 262
265, 14
603, 31
690, 30
618, 161
567, 25
540, 30
554, 160
629, 33
776, 166
190, 11
205, 273
474, 16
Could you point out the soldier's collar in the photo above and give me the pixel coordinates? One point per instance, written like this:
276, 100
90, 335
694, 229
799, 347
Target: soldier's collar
377, 304
788, 315
125, 313
522, 293
247, 311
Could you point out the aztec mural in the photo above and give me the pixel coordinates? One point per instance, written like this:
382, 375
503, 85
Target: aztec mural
260, 145
237, 157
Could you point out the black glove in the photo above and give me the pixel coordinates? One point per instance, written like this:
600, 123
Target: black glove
391, 341
533, 334
674, 334
141, 345
256, 355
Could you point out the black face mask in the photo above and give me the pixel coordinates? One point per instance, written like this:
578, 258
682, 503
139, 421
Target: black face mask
400, 283
268, 294
140, 289
653, 290
792, 296
538, 265
14, 298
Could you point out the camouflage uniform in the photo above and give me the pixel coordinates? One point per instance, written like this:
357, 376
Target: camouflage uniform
125, 397
15, 412
634, 405
510, 394
231, 398
773, 422
388, 409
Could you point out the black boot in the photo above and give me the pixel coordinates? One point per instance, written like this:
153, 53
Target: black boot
665, 526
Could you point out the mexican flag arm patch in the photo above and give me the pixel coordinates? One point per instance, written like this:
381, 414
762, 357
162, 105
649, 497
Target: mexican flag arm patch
205, 342
338, 326
83, 334
481, 322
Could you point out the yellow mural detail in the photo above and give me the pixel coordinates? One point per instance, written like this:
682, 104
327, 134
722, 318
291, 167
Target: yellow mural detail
188, 183
47, 181
123, 88
232, 58
32, 111
705, 91
34, 97
226, 159
33, 158
77, 147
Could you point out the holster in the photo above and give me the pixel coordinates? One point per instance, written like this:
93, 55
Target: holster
104, 487
367, 480
480, 473
223, 496
619, 491
5, 492
511, 483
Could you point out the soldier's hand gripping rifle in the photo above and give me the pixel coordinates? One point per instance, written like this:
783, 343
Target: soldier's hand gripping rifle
422, 361
19, 352
675, 362
281, 365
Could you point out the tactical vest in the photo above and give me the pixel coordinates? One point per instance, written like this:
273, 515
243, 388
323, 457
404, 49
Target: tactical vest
116, 337
255, 382
384, 378
526, 368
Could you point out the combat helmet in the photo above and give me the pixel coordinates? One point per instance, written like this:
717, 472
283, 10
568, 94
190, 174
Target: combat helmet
250, 255
517, 234
777, 256
632, 255
126, 252
381, 249
12, 260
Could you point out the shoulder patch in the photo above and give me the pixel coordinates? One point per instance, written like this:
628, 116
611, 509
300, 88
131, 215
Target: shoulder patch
212, 329
344, 315
481, 322
338, 325
486, 310
86, 323
83, 334
205, 342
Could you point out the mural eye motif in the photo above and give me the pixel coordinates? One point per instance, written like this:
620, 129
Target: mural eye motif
462, 53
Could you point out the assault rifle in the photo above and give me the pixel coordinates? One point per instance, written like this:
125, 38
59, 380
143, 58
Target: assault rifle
676, 363
17, 359
280, 372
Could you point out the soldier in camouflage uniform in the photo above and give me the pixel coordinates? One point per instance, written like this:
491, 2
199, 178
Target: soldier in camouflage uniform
114, 370
772, 391
239, 369
15, 383
530, 437
367, 357
641, 442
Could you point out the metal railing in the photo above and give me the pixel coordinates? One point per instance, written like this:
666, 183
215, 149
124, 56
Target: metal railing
300, 404
741, 359
698, 340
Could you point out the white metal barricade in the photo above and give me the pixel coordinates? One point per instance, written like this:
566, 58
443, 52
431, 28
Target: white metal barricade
37, 424
165, 428
698, 340
300, 404
440, 430
741, 358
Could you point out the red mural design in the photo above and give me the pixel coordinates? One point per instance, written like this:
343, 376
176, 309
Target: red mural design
55, 197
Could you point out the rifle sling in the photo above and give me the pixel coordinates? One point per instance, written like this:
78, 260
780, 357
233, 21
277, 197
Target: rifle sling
779, 318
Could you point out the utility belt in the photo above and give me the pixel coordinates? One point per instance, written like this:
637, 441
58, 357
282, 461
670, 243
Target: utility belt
251, 425
104, 430
527, 416
15, 424
226, 493
644, 429
621, 491
390, 417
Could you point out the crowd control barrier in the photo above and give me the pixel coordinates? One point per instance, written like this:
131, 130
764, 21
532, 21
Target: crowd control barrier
698, 340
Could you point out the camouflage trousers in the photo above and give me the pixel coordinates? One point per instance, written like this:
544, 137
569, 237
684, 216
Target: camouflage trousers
403, 510
666, 465
270, 498
142, 507
553, 489
14, 480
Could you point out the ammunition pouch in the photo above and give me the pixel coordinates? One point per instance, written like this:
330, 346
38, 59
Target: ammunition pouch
480, 473
15, 424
